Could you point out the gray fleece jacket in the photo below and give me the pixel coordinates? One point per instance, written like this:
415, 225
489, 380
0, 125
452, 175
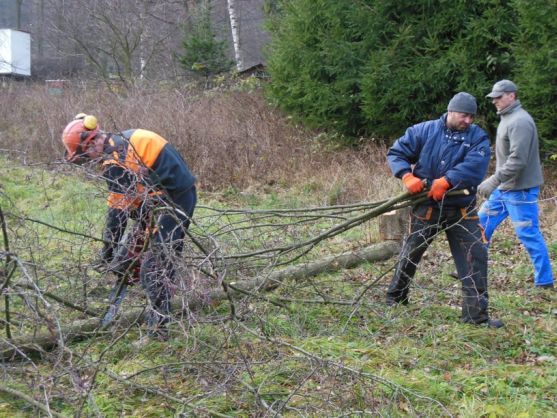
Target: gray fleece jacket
517, 150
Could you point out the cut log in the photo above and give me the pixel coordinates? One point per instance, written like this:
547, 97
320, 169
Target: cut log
393, 225
41, 342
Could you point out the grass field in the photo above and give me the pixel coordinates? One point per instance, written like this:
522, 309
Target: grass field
330, 348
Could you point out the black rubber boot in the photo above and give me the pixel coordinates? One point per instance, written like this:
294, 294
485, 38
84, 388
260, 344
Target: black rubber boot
495, 323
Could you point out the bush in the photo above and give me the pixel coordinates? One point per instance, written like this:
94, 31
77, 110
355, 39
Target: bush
536, 73
430, 55
231, 139
318, 50
373, 68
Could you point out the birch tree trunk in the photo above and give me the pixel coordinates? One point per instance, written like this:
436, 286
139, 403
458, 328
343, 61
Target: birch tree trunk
234, 25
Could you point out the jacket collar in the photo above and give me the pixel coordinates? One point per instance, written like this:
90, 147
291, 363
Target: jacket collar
510, 108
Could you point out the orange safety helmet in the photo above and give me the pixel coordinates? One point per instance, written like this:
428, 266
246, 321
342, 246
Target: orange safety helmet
77, 135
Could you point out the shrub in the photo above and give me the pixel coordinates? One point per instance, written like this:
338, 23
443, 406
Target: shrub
536, 72
428, 56
231, 139
317, 52
373, 68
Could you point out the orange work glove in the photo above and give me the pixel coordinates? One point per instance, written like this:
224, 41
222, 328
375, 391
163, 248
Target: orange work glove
412, 183
439, 188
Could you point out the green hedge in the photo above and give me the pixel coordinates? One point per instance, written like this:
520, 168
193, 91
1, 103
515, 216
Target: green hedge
536, 70
318, 53
375, 67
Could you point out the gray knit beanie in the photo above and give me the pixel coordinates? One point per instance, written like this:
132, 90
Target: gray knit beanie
463, 102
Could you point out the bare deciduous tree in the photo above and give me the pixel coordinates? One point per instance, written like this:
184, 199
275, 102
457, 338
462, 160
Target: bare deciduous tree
126, 40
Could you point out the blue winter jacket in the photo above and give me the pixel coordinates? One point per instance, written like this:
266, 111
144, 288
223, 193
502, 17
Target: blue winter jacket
431, 150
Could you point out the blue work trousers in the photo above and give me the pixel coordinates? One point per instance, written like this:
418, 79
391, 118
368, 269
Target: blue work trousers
522, 207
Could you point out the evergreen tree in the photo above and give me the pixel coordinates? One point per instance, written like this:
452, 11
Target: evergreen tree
375, 67
316, 56
430, 50
536, 72
204, 53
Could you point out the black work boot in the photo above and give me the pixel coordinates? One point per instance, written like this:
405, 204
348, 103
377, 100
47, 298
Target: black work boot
495, 323
398, 291
489, 323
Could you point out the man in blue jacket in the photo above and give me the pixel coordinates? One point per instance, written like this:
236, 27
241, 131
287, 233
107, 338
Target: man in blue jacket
450, 153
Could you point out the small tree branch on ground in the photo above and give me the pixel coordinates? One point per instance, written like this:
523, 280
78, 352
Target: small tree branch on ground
90, 327
26, 398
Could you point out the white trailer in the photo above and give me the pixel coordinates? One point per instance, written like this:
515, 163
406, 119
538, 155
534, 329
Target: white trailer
15, 53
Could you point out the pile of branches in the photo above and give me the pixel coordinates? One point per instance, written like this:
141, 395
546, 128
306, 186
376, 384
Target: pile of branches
231, 253
236, 255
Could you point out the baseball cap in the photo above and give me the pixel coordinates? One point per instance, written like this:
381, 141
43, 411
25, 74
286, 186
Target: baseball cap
502, 86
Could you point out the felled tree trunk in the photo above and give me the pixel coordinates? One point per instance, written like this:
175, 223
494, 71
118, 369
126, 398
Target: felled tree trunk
35, 344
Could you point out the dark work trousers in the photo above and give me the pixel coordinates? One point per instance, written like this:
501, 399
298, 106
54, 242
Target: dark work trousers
157, 270
467, 246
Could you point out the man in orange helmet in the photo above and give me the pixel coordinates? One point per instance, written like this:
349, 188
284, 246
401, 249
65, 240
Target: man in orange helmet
141, 169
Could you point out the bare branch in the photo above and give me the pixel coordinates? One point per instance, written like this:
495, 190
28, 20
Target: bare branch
26, 398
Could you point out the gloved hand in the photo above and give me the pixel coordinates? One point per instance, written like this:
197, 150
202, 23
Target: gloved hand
487, 186
412, 183
438, 189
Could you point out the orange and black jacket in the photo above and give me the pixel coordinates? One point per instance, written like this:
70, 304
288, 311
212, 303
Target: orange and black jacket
138, 163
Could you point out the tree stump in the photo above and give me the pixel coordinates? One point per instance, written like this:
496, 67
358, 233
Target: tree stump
393, 225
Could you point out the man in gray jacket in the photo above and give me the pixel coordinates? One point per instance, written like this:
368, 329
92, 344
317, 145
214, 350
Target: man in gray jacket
513, 189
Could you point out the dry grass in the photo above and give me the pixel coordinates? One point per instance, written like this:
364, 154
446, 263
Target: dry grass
231, 139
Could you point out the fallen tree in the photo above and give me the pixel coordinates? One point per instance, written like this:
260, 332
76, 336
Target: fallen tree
58, 334
57, 337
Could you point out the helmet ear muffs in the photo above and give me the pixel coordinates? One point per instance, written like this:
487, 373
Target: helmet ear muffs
90, 122
86, 137
77, 136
